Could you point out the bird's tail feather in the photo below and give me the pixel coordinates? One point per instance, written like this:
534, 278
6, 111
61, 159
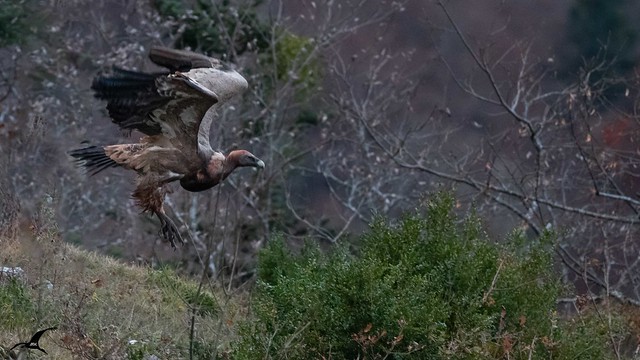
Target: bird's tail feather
93, 158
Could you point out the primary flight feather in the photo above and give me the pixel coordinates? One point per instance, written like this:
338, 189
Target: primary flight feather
172, 109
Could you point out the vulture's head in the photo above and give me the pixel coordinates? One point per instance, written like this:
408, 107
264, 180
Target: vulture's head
243, 158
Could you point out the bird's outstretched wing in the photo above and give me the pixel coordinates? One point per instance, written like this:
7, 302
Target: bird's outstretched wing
170, 105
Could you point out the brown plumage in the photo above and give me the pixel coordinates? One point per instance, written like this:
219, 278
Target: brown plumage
172, 110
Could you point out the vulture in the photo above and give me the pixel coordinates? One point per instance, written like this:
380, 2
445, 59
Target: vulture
173, 109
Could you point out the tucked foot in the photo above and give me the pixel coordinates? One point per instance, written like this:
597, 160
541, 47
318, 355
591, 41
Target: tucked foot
169, 230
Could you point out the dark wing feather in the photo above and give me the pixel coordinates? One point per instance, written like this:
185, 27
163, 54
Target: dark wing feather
180, 60
131, 96
93, 158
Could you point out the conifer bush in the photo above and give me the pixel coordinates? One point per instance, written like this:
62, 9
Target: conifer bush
431, 286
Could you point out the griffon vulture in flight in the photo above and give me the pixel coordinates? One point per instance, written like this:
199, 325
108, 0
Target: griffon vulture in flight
171, 109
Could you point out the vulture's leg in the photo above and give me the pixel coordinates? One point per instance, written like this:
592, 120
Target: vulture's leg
150, 197
169, 230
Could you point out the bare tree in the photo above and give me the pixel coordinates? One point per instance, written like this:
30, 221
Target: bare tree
548, 155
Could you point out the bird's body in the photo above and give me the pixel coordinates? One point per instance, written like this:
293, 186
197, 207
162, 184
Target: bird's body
175, 111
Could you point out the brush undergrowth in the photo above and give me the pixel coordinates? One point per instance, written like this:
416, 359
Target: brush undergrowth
431, 286
428, 287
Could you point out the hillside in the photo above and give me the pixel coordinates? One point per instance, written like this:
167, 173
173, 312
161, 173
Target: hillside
428, 287
104, 308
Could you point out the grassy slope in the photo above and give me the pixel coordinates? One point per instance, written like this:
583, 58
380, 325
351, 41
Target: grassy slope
100, 304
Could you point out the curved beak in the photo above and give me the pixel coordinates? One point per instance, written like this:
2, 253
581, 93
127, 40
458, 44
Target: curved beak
260, 164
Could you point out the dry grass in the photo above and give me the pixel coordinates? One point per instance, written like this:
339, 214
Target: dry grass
101, 305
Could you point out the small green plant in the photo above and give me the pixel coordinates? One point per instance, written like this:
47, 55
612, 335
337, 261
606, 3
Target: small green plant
429, 287
203, 350
202, 300
217, 27
137, 351
15, 305
295, 61
14, 26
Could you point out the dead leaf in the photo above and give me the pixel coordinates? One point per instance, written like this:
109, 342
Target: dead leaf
503, 314
507, 343
397, 339
523, 320
367, 328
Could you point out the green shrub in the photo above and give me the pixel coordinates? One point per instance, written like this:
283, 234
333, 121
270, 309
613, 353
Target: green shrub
429, 287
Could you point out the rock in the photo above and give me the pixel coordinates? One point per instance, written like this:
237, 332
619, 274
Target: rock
10, 273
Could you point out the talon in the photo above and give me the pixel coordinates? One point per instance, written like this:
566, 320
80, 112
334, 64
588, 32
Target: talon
170, 231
